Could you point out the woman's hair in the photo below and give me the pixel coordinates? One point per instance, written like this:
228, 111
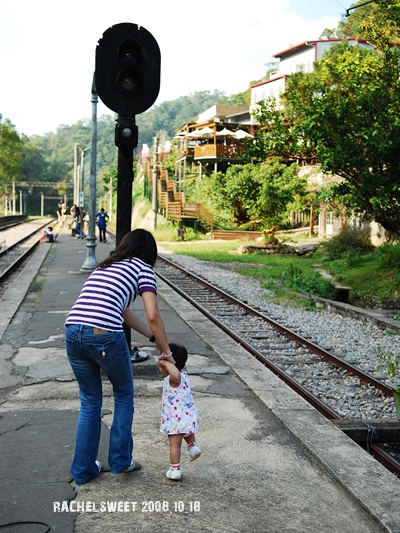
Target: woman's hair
179, 353
138, 243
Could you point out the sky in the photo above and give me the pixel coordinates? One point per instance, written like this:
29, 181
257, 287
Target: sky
47, 49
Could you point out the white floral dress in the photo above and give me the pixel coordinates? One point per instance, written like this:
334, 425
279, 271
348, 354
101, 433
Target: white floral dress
178, 414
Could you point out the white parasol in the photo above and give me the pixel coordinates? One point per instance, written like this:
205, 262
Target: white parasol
192, 134
205, 133
241, 134
226, 132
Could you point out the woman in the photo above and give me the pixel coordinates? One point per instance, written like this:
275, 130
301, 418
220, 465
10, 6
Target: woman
95, 341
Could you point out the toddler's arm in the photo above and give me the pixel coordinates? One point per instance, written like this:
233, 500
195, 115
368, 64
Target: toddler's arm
171, 370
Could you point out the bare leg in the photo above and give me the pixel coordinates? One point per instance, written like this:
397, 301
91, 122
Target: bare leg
175, 443
190, 439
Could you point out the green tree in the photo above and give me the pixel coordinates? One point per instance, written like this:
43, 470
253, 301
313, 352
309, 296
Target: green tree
328, 33
279, 189
258, 195
372, 21
11, 150
277, 136
352, 26
236, 191
348, 110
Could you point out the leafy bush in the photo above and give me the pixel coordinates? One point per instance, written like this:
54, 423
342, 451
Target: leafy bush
312, 283
348, 243
388, 255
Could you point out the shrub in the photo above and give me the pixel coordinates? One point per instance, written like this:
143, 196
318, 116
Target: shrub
348, 242
388, 255
312, 283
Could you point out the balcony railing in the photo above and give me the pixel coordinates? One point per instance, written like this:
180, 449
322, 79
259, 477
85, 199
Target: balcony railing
228, 151
188, 152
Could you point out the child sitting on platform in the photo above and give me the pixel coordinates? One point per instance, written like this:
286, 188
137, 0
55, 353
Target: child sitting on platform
50, 234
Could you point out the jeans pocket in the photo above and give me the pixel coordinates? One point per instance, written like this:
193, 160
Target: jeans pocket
104, 349
70, 345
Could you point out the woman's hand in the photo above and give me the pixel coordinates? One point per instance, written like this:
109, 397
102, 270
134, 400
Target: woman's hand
166, 357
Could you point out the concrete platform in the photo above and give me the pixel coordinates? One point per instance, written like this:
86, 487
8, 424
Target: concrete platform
270, 462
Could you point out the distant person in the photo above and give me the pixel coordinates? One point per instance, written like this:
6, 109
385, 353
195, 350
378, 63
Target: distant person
50, 234
101, 222
75, 211
95, 342
79, 231
64, 211
59, 214
179, 414
85, 220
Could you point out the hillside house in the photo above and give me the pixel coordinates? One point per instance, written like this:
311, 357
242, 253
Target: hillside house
301, 58
298, 58
215, 140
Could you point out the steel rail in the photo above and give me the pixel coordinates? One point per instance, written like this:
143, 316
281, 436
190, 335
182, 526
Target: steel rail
11, 221
331, 358
321, 406
18, 261
379, 452
385, 459
21, 258
12, 246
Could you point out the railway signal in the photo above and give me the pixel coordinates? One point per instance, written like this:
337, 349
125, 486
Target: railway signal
127, 80
127, 72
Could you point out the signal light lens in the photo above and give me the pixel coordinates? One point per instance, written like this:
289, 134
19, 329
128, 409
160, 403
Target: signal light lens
127, 80
129, 51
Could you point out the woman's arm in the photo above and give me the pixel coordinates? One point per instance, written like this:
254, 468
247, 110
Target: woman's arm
155, 322
136, 323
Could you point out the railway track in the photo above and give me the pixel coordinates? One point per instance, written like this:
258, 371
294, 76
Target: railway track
313, 372
11, 221
19, 240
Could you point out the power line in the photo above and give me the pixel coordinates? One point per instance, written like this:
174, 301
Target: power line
359, 5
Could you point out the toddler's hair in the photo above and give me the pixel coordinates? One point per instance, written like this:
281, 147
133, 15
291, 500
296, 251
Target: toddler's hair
179, 353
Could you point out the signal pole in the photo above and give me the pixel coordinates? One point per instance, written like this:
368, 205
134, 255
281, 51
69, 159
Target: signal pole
91, 263
127, 79
126, 138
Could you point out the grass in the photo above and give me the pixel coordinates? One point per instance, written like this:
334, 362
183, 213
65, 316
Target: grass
372, 274
367, 279
273, 271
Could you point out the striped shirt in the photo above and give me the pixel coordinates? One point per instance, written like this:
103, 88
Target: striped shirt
109, 291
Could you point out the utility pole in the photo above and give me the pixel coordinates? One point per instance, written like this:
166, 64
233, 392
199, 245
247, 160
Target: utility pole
154, 205
90, 262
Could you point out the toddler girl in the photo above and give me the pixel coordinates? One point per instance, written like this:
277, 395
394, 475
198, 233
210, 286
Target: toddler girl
179, 414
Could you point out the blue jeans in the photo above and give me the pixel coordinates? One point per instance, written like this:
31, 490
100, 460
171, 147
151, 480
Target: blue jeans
88, 354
